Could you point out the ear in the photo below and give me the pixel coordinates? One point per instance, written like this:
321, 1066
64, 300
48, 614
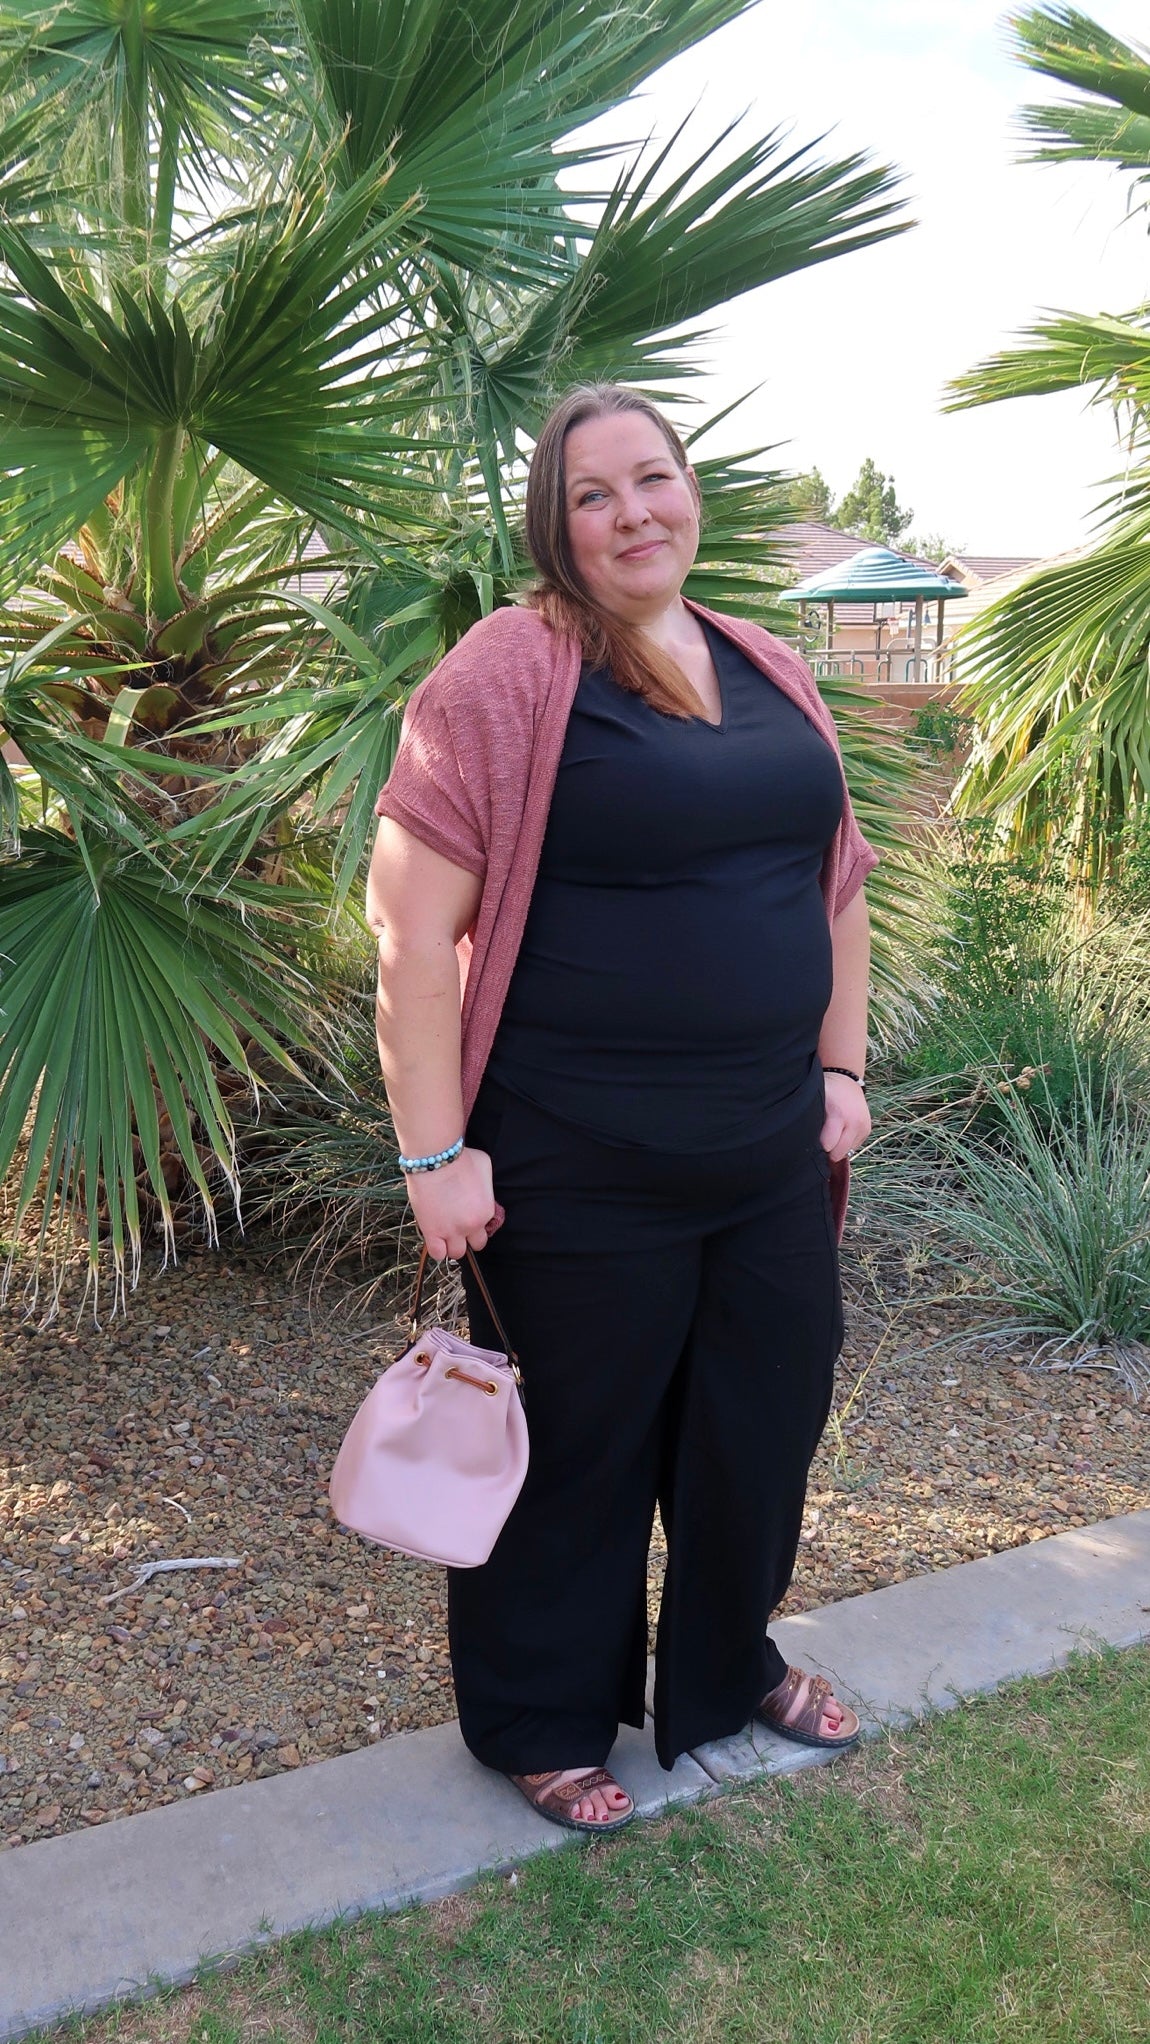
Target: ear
697, 494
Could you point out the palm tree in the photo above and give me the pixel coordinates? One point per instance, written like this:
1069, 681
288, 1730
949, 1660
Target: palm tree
287, 285
1059, 677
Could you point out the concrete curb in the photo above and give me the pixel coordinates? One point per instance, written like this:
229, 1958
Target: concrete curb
144, 1903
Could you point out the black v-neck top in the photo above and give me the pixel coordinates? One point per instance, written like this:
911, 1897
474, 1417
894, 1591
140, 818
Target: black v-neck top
676, 963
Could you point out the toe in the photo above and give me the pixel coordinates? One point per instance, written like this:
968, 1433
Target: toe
602, 1804
835, 1720
599, 1805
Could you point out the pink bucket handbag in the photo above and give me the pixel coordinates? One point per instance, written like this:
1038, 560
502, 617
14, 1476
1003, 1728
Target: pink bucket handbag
436, 1455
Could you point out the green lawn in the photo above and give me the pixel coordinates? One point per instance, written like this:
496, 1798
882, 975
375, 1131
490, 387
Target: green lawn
983, 1877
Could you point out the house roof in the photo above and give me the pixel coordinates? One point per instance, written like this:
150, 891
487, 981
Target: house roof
322, 585
974, 569
811, 547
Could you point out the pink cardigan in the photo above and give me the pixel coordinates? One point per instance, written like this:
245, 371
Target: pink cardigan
475, 772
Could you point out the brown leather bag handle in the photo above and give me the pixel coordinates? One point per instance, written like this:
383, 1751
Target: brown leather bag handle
477, 1274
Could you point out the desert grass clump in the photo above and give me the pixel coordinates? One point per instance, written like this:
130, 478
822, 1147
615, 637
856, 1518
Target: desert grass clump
1049, 1225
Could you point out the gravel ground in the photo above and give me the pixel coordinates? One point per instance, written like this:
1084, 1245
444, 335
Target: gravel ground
203, 1425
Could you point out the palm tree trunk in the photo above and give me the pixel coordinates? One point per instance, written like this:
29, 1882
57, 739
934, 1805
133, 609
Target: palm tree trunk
163, 595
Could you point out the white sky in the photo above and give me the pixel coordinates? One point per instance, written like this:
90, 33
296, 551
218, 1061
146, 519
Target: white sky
853, 354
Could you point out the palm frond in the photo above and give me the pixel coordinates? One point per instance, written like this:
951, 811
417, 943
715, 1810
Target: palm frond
1066, 351
53, 479
1057, 671
1058, 680
1112, 124
513, 78
125, 994
125, 96
664, 255
21, 147
283, 376
336, 743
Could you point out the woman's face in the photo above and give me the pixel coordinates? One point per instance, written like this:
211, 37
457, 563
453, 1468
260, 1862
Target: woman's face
632, 515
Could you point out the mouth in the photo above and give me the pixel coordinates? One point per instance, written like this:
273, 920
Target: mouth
641, 553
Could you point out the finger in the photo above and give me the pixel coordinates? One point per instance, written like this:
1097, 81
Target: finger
436, 1247
456, 1247
477, 1239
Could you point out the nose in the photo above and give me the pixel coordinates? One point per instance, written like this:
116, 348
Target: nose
630, 510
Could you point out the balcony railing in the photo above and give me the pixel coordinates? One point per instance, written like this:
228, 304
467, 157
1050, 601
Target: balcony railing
893, 668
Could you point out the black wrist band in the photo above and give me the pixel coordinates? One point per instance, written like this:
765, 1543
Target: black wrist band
844, 1074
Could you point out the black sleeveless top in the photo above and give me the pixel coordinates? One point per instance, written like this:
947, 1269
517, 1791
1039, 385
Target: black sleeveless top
676, 963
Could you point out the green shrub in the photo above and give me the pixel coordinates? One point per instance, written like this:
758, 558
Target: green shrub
1050, 1225
1031, 976
320, 1165
938, 732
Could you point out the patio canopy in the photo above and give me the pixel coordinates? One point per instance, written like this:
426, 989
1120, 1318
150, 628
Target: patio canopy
876, 574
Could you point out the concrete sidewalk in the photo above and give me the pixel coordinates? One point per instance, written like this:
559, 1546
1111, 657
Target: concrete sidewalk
143, 1902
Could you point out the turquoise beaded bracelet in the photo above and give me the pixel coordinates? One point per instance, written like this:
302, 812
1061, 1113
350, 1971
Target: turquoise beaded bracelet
432, 1163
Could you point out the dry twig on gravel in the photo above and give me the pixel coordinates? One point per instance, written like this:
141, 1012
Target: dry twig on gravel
159, 1568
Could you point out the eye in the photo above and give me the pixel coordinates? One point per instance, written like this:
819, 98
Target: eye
656, 475
588, 496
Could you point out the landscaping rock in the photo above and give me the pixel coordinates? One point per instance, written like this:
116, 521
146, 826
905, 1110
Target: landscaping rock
211, 1433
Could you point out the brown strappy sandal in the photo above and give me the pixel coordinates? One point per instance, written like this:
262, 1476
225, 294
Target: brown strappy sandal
804, 1729
553, 1798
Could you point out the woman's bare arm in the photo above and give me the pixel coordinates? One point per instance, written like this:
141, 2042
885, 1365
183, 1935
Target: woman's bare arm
843, 1037
419, 906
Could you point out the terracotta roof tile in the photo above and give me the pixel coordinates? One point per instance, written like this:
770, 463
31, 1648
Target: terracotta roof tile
987, 567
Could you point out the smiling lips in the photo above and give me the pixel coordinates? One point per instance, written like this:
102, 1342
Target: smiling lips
639, 553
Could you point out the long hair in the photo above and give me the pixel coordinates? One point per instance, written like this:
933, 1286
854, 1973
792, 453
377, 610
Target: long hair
637, 663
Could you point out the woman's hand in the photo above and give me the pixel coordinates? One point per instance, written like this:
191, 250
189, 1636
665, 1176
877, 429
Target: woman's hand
455, 1207
847, 1123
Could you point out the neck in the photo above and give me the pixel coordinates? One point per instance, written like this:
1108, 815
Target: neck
672, 626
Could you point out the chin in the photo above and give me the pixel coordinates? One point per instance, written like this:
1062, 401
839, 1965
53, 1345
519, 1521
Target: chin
653, 578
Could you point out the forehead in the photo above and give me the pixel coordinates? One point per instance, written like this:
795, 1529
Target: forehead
617, 442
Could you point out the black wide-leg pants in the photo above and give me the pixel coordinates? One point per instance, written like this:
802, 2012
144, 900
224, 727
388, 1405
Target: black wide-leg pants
677, 1319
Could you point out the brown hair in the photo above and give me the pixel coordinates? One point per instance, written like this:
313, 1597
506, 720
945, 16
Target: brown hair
637, 663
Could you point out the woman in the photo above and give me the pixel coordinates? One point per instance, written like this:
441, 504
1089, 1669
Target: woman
629, 815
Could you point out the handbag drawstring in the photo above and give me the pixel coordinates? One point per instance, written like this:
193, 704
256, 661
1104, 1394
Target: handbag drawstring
477, 1274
